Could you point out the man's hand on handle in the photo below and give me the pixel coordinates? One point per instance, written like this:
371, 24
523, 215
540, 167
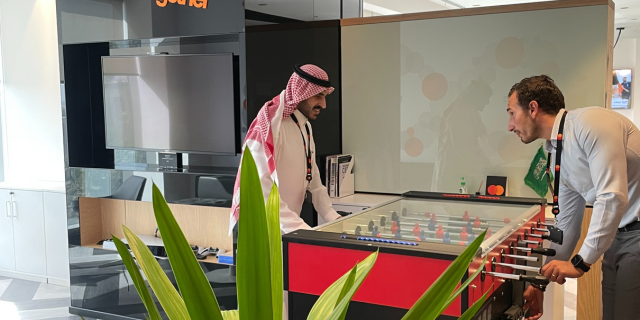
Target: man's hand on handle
534, 299
558, 271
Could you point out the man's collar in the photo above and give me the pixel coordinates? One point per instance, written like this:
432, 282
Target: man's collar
550, 145
556, 126
301, 118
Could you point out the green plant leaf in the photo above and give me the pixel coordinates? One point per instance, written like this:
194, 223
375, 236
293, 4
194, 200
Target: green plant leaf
347, 284
275, 245
231, 315
340, 311
345, 289
171, 302
138, 281
194, 287
429, 305
467, 315
328, 306
253, 279
463, 286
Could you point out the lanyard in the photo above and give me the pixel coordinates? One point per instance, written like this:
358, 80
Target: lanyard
556, 188
307, 148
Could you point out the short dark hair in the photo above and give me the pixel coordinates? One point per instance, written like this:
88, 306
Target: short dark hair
543, 90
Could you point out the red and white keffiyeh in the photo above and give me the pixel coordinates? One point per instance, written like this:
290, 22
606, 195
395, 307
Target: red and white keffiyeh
263, 133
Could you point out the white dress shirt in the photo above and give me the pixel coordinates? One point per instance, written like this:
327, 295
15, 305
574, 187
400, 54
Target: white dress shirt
291, 164
600, 165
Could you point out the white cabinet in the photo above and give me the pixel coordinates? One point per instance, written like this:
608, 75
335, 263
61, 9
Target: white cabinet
33, 235
28, 232
57, 245
26, 212
7, 247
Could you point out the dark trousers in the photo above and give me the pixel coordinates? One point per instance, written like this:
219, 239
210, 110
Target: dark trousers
621, 278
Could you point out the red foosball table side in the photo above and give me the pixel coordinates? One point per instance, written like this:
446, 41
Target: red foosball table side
478, 287
394, 281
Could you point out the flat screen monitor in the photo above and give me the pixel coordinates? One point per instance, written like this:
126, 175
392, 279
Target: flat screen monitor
621, 91
177, 103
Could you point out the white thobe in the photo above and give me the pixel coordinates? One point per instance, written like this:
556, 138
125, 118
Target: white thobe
291, 165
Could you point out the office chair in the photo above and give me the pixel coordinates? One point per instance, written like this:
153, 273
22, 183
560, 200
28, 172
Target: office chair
131, 189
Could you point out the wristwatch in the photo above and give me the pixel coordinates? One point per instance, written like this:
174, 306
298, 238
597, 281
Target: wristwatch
579, 263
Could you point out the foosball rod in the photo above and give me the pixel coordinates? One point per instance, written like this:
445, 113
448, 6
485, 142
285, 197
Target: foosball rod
462, 223
405, 231
427, 221
410, 224
458, 217
414, 238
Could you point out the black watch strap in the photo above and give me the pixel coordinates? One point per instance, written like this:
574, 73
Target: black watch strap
579, 263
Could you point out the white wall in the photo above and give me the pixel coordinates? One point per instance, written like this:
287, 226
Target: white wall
626, 55
31, 108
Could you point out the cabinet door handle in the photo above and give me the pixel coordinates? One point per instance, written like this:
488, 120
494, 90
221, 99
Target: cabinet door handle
8, 206
15, 209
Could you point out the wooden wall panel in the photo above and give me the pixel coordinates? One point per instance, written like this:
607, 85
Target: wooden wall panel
217, 227
140, 218
90, 220
609, 68
589, 305
202, 226
113, 217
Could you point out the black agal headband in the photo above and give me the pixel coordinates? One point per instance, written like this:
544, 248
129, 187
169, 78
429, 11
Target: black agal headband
310, 78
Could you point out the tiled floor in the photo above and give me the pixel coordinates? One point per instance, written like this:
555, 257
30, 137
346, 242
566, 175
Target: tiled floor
27, 300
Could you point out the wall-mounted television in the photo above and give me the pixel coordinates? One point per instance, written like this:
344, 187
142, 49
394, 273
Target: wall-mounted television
621, 91
177, 103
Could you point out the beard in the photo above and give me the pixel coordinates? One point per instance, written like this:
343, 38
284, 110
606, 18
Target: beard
311, 112
529, 132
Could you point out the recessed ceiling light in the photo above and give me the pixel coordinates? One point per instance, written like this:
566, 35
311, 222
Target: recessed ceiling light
476, 5
624, 8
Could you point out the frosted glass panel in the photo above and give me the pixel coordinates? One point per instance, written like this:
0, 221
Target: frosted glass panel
424, 102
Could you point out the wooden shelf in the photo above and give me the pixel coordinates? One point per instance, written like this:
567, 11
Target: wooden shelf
209, 259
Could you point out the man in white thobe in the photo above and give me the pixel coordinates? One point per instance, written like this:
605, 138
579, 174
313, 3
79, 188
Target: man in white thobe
281, 142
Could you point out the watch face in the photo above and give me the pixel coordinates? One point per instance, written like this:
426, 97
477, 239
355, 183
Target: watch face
579, 263
576, 260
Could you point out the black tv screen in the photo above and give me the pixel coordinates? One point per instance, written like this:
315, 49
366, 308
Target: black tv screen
178, 103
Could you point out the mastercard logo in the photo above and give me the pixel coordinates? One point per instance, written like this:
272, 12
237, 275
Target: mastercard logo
496, 190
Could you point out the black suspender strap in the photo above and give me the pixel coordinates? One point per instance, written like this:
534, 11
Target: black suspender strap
556, 183
307, 147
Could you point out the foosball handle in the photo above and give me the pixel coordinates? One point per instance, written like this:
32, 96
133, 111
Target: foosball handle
537, 280
544, 251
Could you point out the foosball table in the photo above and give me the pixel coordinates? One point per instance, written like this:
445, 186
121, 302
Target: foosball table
418, 236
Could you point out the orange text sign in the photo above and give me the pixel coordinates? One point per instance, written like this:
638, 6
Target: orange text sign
192, 3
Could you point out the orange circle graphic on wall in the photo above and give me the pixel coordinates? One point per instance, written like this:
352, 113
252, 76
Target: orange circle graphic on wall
435, 86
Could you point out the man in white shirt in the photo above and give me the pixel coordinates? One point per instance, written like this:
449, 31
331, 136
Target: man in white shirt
281, 142
599, 152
